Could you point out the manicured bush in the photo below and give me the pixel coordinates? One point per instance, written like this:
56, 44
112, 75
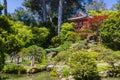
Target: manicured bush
67, 29
65, 72
13, 68
115, 72
55, 41
83, 66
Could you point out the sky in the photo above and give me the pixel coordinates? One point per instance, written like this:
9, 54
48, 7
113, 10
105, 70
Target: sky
14, 4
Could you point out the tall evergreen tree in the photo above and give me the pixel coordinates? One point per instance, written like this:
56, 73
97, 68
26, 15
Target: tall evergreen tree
60, 11
70, 5
5, 7
1, 8
96, 5
37, 7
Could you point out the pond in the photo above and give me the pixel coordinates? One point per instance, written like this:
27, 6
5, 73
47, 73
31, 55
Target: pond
37, 76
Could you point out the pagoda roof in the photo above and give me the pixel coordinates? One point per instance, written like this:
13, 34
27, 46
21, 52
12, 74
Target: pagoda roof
80, 16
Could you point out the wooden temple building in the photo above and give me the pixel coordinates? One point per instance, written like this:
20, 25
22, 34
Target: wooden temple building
84, 24
80, 20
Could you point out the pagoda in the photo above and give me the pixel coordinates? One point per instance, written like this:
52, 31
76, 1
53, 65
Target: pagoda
80, 20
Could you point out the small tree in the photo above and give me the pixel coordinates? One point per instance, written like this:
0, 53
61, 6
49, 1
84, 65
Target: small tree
83, 66
37, 53
110, 30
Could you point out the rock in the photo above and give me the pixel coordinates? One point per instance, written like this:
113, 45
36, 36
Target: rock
51, 54
49, 67
63, 79
71, 78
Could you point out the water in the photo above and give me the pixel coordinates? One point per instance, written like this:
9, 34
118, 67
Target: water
37, 76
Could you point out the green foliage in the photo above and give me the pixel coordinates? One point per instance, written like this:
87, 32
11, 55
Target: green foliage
94, 55
67, 30
13, 68
37, 52
62, 47
96, 5
1, 8
110, 31
25, 16
62, 56
115, 72
112, 57
52, 32
65, 52
21, 36
83, 66
98, 13
54, 72
103, 68
4, 23
55, 41
65, 72
39, 36
2, 59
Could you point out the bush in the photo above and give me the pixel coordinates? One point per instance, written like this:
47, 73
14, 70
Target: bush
52, 32
83, 66
67, 29
62, 56
13, 69
54, 72
110, 31
65, 72
55, 41
115, 72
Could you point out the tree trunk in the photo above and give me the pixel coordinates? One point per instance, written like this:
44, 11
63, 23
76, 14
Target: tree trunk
5, 7
44, 10
33, 61
60, 11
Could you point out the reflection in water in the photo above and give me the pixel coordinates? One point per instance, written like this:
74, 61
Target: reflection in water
37, 76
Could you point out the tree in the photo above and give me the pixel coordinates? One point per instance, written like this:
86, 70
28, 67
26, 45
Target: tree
115, 6
60, 10
110, 31
5, 7
83, 66
60, 16
71, 6
1, 8
37, 7
96, 5
3, 27
67, 31
2, 55
26, 16
20, 37
36, 52
39, 36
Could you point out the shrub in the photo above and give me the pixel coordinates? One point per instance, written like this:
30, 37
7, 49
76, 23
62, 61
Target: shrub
13, 69
115, 72
62, 56
94, 55
54, 72
83, 66
67, 29
35, 51
55, 41
65, 72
